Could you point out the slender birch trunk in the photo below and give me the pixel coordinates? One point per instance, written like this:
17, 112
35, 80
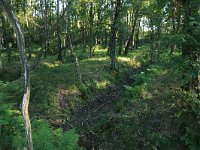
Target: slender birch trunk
75, 58
21, 46
1, 36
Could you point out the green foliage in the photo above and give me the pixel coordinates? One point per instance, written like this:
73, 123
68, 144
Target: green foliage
135, 92
157, 141
186, 102
10, 92
135, 120
85, 91
47, 138
138, 89
10, 72
191, 139
11, 124
44, 136
188, 108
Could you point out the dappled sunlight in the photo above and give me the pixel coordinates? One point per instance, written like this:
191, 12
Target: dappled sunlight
130, 61
99, 48
96, 59
51, 65
100, 74
33, 55
157, 71
73, 90
102, 84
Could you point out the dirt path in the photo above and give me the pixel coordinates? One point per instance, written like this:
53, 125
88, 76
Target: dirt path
87, 117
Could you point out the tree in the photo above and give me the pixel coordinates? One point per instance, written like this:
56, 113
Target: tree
46, 27
58, 31
131, 38
1, 47
21, 46
28, 41
190, 52
114, 27
74, 57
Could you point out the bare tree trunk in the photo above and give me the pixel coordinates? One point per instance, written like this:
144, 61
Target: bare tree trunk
21, 45
29, 34
173, 44
58, 33
46, 28
112, 45
152, 42
120, 41
75, 58
137, 36
91, 28
132, 33
159, 33
1, 47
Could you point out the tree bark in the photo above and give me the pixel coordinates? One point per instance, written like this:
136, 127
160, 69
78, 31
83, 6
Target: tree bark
173, 44
74, 57
112, 45
137, 36
46, 28
29, 34
21, 46
132, 33
91, 28
58, 33
1, 47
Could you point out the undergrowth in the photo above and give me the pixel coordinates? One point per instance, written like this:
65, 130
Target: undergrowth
152, 113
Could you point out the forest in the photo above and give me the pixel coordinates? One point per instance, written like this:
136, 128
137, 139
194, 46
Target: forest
99, 75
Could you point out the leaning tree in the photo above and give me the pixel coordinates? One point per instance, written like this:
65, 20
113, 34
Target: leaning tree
21, 46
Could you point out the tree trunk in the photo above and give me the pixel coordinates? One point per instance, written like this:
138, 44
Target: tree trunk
1, 47
46, 47
173, 45
159, 33
91, 29
29, 35
128, 43
112, 45
75, 58
152, 40
98, 26
189, 48
120, 41
8, 51
137, 36
21, 46
58, 33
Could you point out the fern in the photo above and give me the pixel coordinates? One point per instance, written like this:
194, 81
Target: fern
46, 138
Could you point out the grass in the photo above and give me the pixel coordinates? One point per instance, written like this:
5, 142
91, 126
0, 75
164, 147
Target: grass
55, 90
150, 114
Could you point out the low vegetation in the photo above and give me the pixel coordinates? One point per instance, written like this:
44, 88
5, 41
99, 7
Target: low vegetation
104, 75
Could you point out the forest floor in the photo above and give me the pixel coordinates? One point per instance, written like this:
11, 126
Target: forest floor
109, 121
87, 117
136, 107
